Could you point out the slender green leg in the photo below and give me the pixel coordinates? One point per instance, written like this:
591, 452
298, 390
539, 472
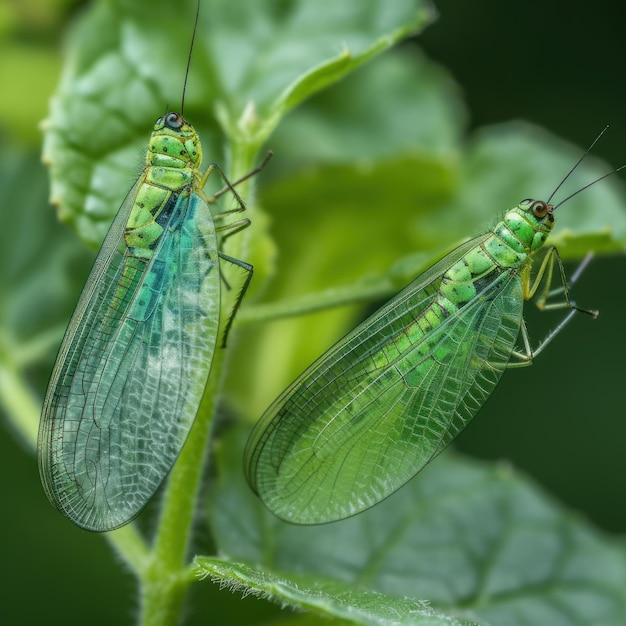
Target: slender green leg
526, 356
582, 266
230, 229
242, 292
565, 287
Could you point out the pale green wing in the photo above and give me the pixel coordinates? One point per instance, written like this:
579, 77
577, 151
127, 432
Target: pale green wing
131, 370
103, 277
370, 413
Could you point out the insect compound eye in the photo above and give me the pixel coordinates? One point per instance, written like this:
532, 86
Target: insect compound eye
174, 120
539, 208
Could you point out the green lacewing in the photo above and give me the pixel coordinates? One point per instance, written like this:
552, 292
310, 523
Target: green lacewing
136, 356
386, 399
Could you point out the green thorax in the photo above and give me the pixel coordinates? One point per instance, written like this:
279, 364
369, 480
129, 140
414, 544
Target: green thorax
174, 143
523, 230
172, 168
527, 226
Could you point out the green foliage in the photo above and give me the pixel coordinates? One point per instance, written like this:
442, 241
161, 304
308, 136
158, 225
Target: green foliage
477, 541
373, 178
244, 78
36, 297
327, 597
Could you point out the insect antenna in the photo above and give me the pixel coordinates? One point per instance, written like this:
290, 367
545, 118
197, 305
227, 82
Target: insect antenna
595, 141
193, 38
593, 182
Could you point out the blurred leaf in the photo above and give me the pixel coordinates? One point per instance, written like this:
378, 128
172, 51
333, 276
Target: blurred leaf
506, 163
249, 68
349, 208
32, 70
30, 31
401, 103
478, 542
325, 597
382, 223
347, 220
421, 202
42, 266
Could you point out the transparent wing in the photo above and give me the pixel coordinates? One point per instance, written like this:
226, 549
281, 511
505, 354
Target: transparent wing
369, 414
131, 370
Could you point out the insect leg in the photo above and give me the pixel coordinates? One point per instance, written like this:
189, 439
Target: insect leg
228, 186
544, 275
231, 310
565, 288
230, 305
231, 186
232, 228
523, 358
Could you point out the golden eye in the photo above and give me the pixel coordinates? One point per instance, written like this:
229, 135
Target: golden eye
539, 208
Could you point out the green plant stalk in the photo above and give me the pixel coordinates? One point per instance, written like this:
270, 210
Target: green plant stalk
22, 407
317, 301
131, 546
162, 572
165, 579
243, 160
20, 403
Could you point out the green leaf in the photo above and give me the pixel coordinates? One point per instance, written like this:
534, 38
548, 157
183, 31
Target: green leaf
478, 542
329, 598
42, 268
298, 50
508, 162
30, 70
395, 206
401, 103
369, 184
347, 232
347, 220
252, 63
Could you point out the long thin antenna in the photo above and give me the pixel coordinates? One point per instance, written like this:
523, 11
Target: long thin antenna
576, 165
593, 182
193, 38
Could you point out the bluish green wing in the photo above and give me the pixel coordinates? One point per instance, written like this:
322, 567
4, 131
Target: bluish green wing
370, 413
131, 371
102, 279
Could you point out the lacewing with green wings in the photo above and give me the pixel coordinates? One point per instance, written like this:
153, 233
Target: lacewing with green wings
369, 414
132, 367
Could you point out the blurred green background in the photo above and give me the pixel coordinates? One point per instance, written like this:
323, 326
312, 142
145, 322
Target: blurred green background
561, 421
